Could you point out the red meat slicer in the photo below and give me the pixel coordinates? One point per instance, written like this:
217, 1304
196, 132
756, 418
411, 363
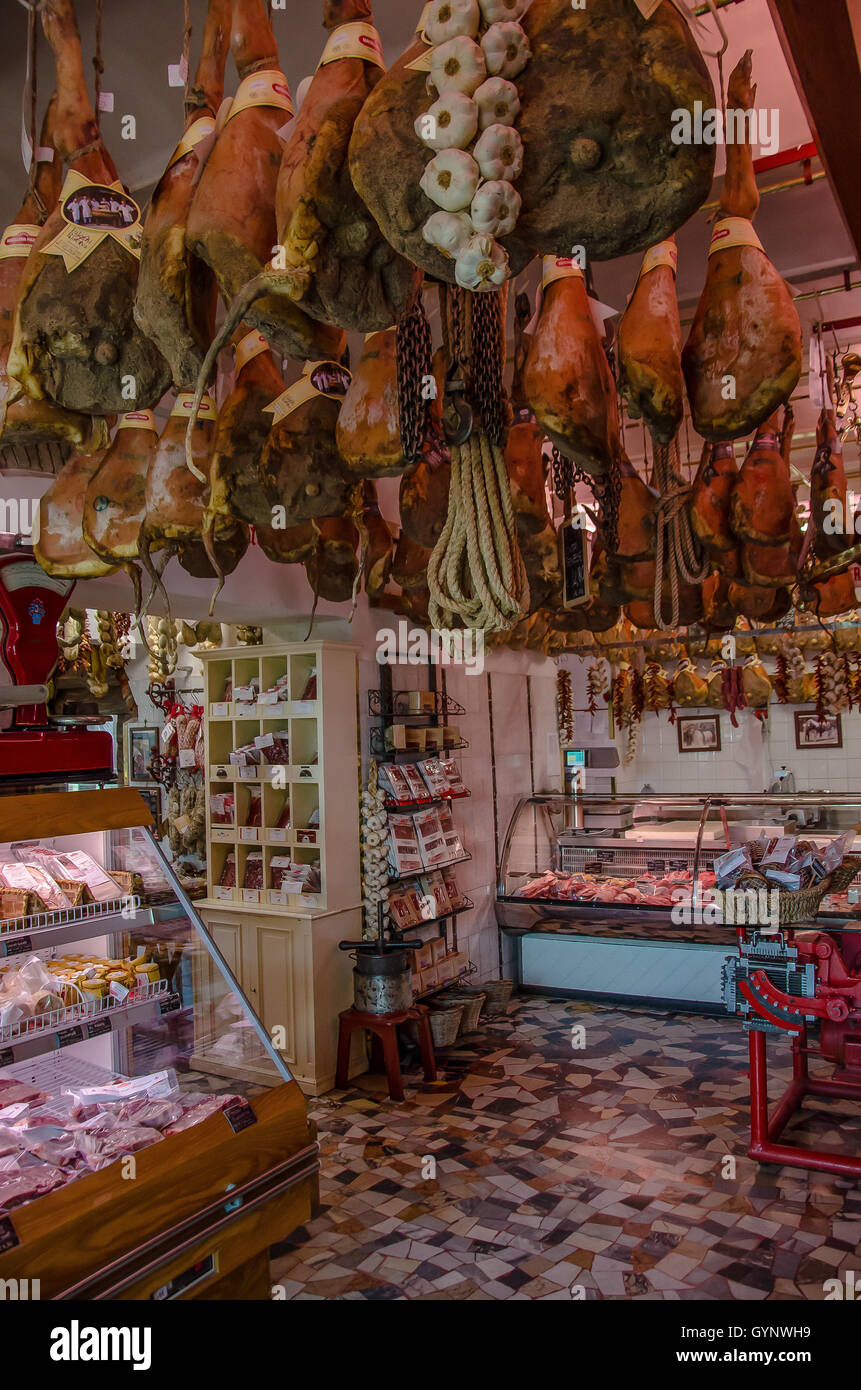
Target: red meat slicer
31, 604
780, 983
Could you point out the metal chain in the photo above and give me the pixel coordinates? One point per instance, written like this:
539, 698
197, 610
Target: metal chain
488, 346
567, 474
609, 493
415, 363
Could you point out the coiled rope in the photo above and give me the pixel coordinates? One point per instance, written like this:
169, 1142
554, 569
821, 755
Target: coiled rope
676, 548
476, 571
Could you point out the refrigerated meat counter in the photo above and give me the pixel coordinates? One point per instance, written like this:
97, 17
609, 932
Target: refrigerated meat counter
600, 914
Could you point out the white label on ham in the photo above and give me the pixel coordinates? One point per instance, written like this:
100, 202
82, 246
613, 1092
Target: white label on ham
559, 268
91, 212
138, 420
17, 240
317, 379
647, 7
665, 253
733, 231
354, 41
201, 129
267, 88
184, 402
250, 347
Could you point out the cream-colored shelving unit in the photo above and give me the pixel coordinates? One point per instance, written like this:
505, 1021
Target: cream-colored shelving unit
283, 946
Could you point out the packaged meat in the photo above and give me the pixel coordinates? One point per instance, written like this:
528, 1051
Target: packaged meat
274, 747
395, 784
280, 868
431, 838
253, 870
434, 777
418, 790
100, 1149
200, 1108
254, 816
81, 868
228, 873
455, 896
453, 844
404, 846
451, 772
22, 1185
32, 878
222, 808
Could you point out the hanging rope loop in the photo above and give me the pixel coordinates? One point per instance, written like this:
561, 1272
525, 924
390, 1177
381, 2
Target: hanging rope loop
677, 550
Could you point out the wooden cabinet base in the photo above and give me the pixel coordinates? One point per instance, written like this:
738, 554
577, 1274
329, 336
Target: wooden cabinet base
201, 1205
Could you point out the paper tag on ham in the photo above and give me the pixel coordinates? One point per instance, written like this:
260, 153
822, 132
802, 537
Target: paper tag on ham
855, 576
318, 379
250, 347
733, 231
420, 27
422, 63
558, 268
665, 253
184, 402
262, 89
201, 129
93, 211
138, 420
647, 7
17, 240
354, 41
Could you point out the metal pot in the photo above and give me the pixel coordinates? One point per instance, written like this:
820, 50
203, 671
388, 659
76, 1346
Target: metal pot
382, 981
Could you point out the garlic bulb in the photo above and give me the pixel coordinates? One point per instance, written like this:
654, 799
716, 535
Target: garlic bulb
493, 10
495, 208
448, 232
451, 123
499, 153
450, 180
506, 49
458, 66
497, 102
481, 265
448, 19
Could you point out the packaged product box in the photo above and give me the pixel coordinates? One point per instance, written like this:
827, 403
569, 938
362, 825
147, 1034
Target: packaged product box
396, 737
399, 910
453, 845
423, 957
434, 738
421, 702
430, 978
461, 962
438, 949
455, 896
416, 739
431, 838
446, 969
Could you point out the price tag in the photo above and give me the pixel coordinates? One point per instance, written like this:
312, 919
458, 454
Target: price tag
277, 835
18, 945
187, 757
248, 832
225, 893
7, 1057
169, 1005
268, 697
656, 866
239, 1115
249, 774
605, 855
279, 899
303, 707
855, 576
98, 1027
677, 864
68, 1036
251, 895
220, 710
8, 1235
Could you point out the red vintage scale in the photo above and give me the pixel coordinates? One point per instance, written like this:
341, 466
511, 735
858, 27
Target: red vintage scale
781, 983
31, 747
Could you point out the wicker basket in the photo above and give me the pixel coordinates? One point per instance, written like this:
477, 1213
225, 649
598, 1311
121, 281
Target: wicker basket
16, 903
845, 873
498, 994
472, 1001
445, 1024
799, 906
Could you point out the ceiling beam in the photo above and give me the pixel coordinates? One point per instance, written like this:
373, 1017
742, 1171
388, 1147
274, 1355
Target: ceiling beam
818, 43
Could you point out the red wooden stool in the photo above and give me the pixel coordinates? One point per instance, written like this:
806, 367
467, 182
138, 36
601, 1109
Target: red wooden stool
385, 1027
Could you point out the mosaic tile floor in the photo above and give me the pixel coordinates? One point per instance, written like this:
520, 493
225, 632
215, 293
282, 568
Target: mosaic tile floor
536, 1171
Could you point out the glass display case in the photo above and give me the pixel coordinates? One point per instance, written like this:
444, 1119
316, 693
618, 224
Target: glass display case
611, 895
153, 1143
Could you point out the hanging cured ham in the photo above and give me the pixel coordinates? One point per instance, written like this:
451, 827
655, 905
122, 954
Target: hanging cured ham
709, 506
241, 431
600, 168
828, 490
566, 378
524, 447
58, 538
827, 598
742, 359
115, 500
718, 612
368, 431
24, 420
762, 510
333, 566
353, 277
377, 544
650, 346
231, 221
176, 294
76, 340
176, 501
301, 472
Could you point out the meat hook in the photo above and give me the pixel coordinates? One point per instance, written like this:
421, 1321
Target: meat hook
454, 390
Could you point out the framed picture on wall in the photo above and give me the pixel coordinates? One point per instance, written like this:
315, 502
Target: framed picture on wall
140, 745
813, 732
152, 797
699, 733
